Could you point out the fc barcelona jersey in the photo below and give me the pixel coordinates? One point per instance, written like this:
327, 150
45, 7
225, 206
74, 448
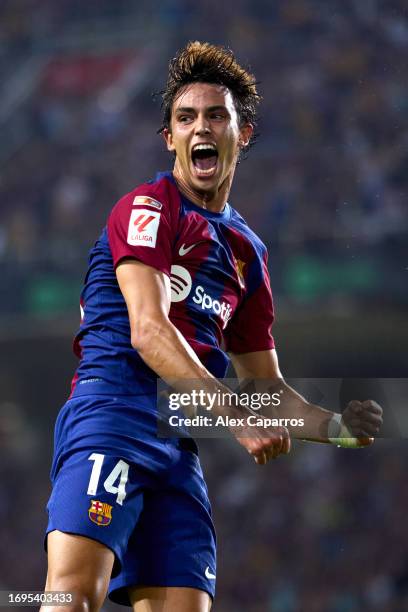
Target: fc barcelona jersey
221, 298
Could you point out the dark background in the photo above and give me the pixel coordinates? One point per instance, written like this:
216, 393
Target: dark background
326, 187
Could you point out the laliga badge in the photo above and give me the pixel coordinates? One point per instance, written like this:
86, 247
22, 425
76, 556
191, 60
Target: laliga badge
100, 513
143, 226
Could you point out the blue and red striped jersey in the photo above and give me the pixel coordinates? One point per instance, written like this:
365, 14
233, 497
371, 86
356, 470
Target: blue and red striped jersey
221, 298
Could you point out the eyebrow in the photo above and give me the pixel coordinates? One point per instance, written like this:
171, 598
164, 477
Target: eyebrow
190, 109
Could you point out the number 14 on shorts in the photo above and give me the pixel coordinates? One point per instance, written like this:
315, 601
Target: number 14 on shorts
115, 482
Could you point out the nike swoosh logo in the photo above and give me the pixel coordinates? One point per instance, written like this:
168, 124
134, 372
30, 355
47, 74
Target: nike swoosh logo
208, 574
183, 250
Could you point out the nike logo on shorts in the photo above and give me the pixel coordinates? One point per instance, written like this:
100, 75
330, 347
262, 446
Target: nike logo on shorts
208, 573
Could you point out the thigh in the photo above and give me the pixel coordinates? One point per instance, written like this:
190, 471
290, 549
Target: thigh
169, 599
79, 566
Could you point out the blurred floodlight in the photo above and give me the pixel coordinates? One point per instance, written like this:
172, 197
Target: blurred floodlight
113, 100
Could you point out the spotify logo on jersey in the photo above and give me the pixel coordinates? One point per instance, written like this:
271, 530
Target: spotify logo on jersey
180, 283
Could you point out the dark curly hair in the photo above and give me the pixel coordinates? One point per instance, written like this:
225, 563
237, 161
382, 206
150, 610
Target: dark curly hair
201, 62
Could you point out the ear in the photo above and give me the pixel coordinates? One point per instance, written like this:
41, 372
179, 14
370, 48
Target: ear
168, 138
245, 134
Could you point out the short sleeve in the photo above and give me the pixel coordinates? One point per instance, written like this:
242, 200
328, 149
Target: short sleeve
250, 329
142, 226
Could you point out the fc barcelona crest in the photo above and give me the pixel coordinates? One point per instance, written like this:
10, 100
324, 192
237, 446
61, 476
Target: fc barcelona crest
100, 513
239, 269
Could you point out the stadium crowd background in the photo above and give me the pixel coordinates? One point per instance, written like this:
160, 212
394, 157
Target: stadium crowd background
325, 186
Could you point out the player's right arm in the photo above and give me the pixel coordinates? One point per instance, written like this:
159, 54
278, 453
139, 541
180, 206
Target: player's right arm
163, 348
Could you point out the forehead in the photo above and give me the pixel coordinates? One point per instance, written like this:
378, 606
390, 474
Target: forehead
202, 95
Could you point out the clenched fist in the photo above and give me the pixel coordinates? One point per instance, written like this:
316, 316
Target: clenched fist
363, 420
263, 444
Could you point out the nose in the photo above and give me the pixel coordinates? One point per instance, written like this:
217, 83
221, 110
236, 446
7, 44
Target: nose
202, 126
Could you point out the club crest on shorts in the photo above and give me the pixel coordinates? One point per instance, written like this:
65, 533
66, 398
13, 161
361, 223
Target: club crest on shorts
100, 513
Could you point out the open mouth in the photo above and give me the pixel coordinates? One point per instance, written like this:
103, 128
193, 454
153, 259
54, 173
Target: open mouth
204, 158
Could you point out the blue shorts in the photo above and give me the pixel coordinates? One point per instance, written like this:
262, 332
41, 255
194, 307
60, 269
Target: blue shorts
154, 515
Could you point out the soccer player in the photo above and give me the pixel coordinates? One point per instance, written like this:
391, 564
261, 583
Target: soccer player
176, 275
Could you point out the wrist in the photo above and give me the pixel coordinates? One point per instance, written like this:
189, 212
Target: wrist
339, 434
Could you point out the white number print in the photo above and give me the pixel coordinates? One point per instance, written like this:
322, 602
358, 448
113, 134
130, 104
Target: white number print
120, 472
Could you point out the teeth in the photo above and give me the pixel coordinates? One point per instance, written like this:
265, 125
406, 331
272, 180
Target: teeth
200, 171
203, 147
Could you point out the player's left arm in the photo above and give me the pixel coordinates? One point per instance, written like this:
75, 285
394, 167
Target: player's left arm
360, 421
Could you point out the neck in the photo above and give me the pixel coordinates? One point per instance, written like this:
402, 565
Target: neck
212, 200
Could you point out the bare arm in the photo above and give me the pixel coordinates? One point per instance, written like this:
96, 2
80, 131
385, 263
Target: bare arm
362, 418
161, 346
164, 349
264, 365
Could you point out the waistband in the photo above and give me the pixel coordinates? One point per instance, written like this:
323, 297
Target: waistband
144, 401
94, 386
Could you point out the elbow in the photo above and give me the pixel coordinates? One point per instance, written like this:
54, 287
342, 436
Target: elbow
145, 334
